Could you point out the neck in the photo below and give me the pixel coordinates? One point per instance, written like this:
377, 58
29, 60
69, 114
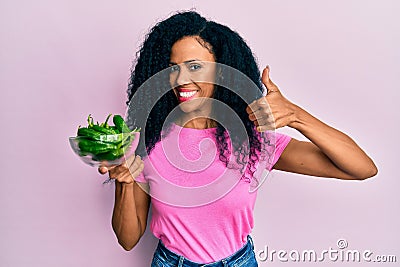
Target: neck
196, 123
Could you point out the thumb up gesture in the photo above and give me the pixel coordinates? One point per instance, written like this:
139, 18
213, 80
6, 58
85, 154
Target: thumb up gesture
273, 110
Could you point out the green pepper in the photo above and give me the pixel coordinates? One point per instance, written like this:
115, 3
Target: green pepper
120, 124
103, 130
90, 121
104, 124
115, 129
110, 155
105, 142
95, 147
127, 140
90, 133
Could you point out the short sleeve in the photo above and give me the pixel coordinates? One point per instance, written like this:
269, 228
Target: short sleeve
281, 141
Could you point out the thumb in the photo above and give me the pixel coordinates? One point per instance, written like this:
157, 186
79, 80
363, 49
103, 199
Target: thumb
271, 87
103, 170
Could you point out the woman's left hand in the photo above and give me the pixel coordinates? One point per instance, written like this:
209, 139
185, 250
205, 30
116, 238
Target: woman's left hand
272, 111
328, 153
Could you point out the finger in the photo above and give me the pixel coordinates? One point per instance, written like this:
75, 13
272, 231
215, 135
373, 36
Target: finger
262, 112
126, 178
117, 172
253, 106
103, 170
122, 175
130, 160
263, 122
135, 164
266, 124
124, 172
256, 105
266, 80
135, 169
137, 172
265, 128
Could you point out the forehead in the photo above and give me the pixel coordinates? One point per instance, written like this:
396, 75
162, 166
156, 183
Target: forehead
189, 48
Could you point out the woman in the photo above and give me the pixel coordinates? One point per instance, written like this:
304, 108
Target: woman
214, 232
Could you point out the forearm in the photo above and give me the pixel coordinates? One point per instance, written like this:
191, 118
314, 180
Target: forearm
344, 153
125, 221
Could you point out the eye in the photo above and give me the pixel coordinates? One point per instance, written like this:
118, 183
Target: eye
174, 68
194, 66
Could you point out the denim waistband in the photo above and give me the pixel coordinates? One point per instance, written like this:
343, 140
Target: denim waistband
178, 260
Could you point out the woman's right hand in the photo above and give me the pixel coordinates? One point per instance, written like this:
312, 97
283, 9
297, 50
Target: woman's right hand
126, 172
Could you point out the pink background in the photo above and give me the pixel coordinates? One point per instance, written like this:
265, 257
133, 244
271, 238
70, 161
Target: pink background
61, 60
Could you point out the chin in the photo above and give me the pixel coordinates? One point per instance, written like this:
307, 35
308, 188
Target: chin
196, 105
188, 107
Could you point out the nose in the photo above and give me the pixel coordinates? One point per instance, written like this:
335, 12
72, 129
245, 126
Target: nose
183, 76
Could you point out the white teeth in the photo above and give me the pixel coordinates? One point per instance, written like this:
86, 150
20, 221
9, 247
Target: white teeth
187, 94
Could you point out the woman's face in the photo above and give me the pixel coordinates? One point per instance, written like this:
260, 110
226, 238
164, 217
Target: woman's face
192, 74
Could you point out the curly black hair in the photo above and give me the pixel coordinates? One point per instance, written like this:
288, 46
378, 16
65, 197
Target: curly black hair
229, 49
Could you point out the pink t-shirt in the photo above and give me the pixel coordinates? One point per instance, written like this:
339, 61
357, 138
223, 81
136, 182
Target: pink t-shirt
200, 209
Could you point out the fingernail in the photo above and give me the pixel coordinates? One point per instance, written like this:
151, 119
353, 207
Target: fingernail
267, 67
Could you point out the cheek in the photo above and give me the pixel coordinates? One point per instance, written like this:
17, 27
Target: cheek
207, 89
172, 79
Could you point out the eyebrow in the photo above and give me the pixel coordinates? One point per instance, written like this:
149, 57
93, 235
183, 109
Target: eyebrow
187, 61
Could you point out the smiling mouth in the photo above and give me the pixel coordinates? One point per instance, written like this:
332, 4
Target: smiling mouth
186, 94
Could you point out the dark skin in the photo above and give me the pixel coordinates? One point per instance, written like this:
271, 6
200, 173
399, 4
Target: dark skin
326, 155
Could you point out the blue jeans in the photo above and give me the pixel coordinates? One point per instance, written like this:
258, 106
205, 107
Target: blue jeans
245, 257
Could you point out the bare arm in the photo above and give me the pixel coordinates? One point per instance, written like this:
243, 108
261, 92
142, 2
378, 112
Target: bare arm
131, 204
330, 153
